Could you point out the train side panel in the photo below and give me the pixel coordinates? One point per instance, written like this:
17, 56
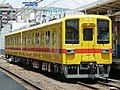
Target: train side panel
43, 43
13, 44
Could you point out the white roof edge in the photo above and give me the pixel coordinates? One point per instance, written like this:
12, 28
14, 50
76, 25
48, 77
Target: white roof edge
95, 4
53, 22
36, 26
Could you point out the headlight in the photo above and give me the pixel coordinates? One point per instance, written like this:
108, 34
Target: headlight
70, 51
105, 51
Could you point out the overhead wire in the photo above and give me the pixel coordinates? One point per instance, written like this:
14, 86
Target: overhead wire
52, 3
76, 2
41, 8
21, 11
38, 1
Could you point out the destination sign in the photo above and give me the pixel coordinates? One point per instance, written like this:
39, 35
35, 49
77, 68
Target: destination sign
30, 3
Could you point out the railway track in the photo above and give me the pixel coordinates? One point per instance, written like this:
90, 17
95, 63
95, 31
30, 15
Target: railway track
21, 79
39, 79
58, 84
113, 80
111, 83
101, 84
89, 86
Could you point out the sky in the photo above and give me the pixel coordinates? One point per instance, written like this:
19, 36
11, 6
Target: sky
61, 3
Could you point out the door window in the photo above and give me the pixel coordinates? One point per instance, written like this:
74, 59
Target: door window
87, 34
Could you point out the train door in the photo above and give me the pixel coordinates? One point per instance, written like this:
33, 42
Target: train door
54, 43
88, 44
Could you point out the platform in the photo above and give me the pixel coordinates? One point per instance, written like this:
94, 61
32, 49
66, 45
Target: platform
116, 60
116, 64
7, 83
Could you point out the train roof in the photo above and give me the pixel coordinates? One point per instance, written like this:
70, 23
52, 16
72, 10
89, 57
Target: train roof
37, 26
87, 15
58, 21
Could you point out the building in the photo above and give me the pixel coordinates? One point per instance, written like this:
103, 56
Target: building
7, 13
42, 14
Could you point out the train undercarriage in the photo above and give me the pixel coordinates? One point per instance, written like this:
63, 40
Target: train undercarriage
86, 70
83, 70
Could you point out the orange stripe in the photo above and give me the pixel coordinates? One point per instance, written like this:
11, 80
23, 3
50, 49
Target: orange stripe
88, 50
63, 51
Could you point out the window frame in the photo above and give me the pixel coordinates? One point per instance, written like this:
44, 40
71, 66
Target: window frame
77, 32
88, 38
102, 40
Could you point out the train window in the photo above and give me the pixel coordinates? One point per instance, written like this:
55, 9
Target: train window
24, 39
42, 38
102, 31
72, 31
32, 39
47, 38
87, 34
10, 41
7, 41
29, 40
14, 41
53, 35
19, 41
54, 38
37, 39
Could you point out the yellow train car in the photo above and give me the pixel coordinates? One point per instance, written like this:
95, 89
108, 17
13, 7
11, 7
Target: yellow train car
78, 46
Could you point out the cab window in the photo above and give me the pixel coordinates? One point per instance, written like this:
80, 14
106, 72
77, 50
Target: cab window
72, 31
102, 31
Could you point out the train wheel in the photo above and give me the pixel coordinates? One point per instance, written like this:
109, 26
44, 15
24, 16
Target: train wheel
23, 62
48, 67
30, 65
40, 65
52, 67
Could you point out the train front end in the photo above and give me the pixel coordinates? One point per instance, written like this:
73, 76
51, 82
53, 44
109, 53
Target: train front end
87, 46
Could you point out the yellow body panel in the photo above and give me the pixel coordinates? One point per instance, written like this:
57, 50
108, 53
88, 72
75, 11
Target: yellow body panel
88, 21
57, 42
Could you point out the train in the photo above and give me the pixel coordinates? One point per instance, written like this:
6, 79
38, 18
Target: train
76, 46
